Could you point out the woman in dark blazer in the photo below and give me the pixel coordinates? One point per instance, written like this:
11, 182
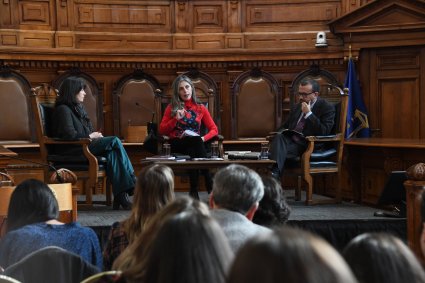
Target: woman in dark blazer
70, 122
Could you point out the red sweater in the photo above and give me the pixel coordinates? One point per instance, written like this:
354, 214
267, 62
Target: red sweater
195, 115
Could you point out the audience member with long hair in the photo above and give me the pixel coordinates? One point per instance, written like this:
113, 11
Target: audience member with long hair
32, 224
189, 248
289, 255
133, 260
382, 258
273, 210
154, 189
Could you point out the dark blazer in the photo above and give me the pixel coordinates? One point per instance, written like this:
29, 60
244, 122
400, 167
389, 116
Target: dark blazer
68, 125
320, 123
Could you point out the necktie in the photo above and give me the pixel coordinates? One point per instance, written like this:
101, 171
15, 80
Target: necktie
299, 128
300, 125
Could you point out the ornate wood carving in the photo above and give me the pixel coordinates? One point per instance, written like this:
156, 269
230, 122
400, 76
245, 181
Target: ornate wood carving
382, 24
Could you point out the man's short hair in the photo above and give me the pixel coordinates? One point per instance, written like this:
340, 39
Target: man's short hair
237, 188
315, 86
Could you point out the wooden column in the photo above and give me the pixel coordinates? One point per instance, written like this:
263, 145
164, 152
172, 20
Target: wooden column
415, 187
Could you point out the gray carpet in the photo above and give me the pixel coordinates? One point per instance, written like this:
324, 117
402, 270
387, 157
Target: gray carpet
102, 215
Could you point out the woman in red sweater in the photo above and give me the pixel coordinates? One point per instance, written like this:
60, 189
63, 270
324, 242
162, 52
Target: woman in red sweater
182, 123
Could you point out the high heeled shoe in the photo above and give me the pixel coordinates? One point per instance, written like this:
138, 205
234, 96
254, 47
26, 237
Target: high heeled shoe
123, 200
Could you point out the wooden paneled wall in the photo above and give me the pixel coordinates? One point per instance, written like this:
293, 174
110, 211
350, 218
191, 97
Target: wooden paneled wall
109, 39
223, 38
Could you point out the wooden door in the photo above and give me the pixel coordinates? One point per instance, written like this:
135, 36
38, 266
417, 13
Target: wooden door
396, 93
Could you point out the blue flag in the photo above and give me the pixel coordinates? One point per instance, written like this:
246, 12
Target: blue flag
357, 121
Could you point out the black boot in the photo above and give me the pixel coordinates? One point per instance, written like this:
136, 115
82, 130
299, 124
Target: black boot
194, 193
123, 200
194, 183
208, 180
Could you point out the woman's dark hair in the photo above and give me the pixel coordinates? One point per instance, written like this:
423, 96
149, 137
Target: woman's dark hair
32, 201
382, 257
189, 247
68, 91
273, 210
289, 255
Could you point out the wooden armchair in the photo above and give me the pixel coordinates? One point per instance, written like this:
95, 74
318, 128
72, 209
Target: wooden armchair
255, 89
89, 169
16, 124
329, 159
135, 97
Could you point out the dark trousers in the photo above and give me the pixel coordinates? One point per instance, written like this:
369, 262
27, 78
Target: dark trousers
119, 170
283, 147
195, 148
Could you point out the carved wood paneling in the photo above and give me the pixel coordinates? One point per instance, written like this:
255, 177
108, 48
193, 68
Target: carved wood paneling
394, 93
127, 15
34, 13
286, 17
209, 29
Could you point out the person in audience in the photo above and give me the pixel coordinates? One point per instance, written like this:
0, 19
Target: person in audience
71, 122
132, 261
381, 257
154, 189
234, 200
311, 116
289, 255
186, 113
32, 224
189, 248
273, 209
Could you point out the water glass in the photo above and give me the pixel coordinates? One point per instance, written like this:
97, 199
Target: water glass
166, 149
264, 153
214, 150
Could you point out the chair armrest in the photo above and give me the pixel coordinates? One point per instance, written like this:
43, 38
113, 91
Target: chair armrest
329, 138
84, 143
69, 142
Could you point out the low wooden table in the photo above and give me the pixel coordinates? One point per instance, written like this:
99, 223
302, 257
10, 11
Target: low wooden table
260, 165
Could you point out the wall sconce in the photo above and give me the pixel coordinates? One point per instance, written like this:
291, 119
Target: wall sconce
321, 39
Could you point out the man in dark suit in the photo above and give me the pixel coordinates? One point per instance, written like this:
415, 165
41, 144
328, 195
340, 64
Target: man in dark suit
312, 116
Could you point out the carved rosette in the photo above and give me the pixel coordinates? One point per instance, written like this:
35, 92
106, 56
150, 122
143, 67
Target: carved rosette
416, 172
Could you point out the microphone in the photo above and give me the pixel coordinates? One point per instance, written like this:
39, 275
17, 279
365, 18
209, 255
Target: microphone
151, 124
57, 176
148, 109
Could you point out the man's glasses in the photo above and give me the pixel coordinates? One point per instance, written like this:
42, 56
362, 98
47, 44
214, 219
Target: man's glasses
304, 94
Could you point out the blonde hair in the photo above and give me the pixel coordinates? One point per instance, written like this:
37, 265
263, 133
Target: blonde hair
154, 189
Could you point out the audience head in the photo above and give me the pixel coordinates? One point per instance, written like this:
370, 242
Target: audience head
289, 255
154, 189
32, 201
237, 188
69, 89
189, 248
132, 259
380, 257
273, 209
176, 101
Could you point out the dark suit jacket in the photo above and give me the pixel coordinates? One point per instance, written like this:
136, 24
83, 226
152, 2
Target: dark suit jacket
320, 123
68, 125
